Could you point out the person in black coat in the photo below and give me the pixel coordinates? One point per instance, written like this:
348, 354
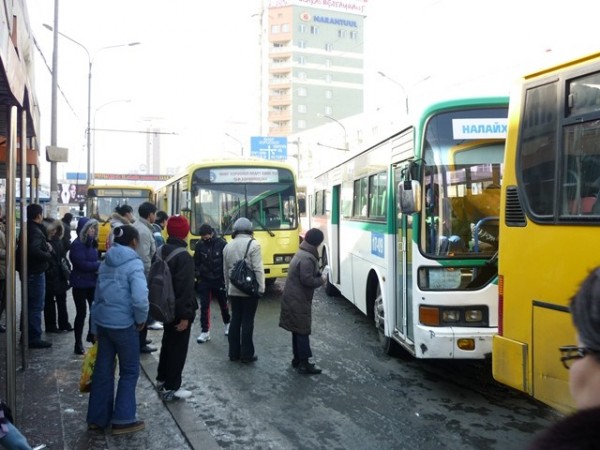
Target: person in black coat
580, 430
210, 280
57, 282
176, 335
38, 259
66, 238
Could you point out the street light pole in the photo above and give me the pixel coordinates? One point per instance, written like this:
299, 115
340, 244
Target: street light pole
397, 83
401, 87
89, 105
53, 126
238, 141
341, 125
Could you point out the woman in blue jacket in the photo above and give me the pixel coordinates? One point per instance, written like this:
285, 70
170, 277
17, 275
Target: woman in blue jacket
118, 314
85, 262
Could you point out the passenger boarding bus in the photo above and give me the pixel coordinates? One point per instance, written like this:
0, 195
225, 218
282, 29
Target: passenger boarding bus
218, 192
101, 202
550, 224
412, 230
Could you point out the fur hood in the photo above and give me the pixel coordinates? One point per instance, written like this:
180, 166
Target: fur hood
83, 227
54, 225
117, 220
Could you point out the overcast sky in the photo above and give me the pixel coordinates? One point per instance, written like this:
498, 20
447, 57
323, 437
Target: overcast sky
184, 77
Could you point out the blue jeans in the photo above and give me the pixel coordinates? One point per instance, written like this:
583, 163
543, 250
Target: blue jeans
103, 407
14, 440
36, 293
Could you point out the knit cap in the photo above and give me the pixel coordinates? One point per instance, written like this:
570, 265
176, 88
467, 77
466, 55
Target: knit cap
314, 236
178, 227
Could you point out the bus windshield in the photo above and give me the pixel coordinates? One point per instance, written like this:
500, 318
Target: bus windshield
462, 176
102, 202
270, 205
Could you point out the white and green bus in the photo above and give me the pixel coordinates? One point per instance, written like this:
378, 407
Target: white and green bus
411, 229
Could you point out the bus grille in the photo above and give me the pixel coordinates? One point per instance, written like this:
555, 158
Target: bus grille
514, 216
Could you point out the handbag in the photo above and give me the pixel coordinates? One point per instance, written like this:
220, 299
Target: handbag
87, 369
65, 268
243, 277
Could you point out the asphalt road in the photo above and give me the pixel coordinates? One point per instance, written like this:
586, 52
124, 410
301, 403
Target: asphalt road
363, 400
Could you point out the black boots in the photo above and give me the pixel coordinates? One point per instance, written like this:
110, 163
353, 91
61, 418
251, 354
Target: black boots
307, 368
79, 350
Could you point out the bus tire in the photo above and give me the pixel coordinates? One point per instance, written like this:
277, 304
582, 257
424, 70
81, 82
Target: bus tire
330, 289
387, 343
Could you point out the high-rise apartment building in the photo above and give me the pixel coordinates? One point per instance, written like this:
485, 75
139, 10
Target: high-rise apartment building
315, 63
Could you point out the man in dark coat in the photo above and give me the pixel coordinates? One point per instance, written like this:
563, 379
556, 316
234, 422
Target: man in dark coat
176, 335
210, 280
296, 304
38, 257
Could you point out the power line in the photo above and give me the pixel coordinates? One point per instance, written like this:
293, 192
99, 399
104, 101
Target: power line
50, 71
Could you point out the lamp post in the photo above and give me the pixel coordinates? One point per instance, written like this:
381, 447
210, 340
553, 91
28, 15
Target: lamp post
89, 106
238, 141
343, 128
94, 128
397, 83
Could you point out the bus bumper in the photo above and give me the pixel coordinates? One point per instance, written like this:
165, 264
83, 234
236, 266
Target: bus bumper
276, 270
450, 343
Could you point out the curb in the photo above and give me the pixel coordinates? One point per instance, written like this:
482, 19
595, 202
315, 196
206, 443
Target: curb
196, 433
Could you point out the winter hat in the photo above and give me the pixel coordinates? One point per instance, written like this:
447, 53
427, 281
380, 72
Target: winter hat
205, 229
314, 236
242, 225
178, 227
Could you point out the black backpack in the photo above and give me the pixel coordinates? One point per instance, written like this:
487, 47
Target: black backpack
161, 295
243, 277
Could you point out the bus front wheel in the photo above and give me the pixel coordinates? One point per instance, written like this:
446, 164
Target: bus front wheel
386, 342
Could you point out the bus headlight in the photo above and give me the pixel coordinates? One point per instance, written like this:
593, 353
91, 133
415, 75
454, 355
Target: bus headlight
450, 315
282, 259
473, 315
457, 316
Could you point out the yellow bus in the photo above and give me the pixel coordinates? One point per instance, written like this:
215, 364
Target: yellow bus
218, 192
549, 224
101, 202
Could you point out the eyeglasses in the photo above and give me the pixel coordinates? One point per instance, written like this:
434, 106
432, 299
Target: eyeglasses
569, 353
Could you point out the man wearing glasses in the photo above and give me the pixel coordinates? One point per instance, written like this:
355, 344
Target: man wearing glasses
580, 430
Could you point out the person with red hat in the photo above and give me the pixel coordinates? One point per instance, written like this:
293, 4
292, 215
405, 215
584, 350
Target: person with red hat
176, 335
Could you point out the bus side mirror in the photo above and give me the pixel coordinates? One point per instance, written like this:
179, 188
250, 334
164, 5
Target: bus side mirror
185, 200
409, 196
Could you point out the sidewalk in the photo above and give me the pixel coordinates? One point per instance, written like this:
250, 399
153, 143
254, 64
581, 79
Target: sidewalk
52, 411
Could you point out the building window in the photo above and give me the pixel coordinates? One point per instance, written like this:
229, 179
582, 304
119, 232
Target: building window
302, 75
302, 108
301, 44
301, 59
327, 63
285, 27
328, 94
328, 110
275, 29
328, 77
354, 35
302, 28
328, 47
302, 92
342, 33
301, 124
314, 30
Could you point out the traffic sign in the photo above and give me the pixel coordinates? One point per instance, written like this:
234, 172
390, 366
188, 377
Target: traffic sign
269, 147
